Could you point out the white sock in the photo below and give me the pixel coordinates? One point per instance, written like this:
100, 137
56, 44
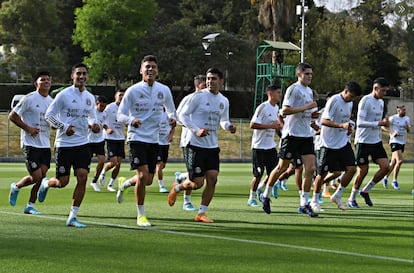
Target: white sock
30, 205
187, 198
102, 174
339, 191
161, 183
127, 184
267, 191
304, 199
352, 196
368, 187
261, 185
202, 209
73, 212
140, 210
252, 195
111, 182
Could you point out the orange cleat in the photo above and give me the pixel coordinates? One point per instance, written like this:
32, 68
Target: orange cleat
172, 196
202, 217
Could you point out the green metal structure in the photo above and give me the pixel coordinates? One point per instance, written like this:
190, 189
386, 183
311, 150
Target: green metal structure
266, 73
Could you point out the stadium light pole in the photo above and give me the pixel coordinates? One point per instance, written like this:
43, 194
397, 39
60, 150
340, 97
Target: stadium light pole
301, 10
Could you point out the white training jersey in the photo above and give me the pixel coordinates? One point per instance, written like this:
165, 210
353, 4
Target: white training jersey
206, 110
398, 124
165, 130
99, 136
370, 112
185, 133
145, 103
32, 109
339, 111
298, 124
265, 114
72, 107
112, 122
317, 140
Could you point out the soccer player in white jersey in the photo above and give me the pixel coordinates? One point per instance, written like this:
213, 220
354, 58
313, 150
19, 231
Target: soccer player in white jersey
336, 152
400, 125
142, 107
97, 140
115, 141
264, 154
368, 141
298, 107
72, 112
199, 85
29, 115
203, 114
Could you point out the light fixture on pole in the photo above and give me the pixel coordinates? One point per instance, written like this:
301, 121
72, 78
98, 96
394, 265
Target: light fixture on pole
207, 41
300, 11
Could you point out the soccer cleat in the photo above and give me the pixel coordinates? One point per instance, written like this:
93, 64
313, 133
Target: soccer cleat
41, 194
188, 207
266, 205
365, 195
172, 196
202, 217
307, 210
274, 192
142, 221
316, 207
326, 194
13, 194
177, 177
111, 189
283, 186
385, 182
352, 204
252, 203
73, 222
120, 192
33, 211
163, 189
95, 187
337, 200
395, 185
259, 193
101, 180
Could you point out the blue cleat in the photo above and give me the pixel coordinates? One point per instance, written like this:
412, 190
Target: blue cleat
252, 203
266, 205
307, 210
41, 194
352, 204
177, 177
395, 185
13, 194
274, 192
365, 195
283, 187
259, 194
73, 222
188, 207
33, 211
385, 182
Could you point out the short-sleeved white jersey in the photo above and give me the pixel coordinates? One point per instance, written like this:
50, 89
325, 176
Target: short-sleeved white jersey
32, 109
112, 122
72, 107
165, 130
298, 124
145, 103
205, 110
339, 111
398, 124
370, 111
99, 136
265, 114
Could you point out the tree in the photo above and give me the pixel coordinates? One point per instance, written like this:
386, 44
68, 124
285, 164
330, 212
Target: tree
30, 35
110, 32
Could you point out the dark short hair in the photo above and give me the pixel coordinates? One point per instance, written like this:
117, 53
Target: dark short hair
330, 94
102, 99
381, 82
272, 87
38, 74
199, 79
354, 88
79, 65
215, 70
302, 67
149, 58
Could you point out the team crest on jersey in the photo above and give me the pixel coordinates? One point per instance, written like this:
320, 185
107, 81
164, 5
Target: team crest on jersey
221, 106
160, 96
88, 102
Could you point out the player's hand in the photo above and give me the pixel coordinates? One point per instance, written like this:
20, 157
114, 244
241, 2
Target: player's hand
136, 123
232, 128
70, 131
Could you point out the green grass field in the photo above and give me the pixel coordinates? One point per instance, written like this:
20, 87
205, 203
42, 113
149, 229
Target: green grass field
242, 239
